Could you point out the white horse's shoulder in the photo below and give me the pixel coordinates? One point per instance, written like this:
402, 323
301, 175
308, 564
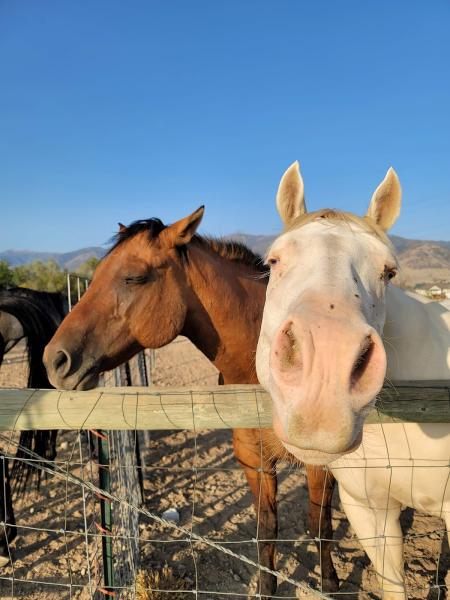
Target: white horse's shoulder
444, 314
423, 307
417, 336
438, 312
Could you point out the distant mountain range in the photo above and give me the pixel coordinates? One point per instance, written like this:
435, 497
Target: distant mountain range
423, 262
66, 260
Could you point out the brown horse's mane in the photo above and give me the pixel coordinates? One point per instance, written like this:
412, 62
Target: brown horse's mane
230, 249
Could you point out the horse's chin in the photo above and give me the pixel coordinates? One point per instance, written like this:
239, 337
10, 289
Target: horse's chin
317, 457
311, 457
88, 381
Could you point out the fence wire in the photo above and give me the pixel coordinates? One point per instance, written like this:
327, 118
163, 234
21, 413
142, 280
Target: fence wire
214, 550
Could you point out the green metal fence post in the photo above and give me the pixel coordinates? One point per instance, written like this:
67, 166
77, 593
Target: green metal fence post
106, 510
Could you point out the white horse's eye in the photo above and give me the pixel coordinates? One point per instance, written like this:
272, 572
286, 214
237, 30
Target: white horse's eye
272, 261
388, 273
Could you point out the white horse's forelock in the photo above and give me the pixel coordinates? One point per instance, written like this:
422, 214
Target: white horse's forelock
331, 215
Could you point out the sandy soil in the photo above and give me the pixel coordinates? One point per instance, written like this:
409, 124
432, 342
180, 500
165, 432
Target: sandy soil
199, 477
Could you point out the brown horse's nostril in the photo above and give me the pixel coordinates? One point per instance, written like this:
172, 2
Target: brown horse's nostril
61, 363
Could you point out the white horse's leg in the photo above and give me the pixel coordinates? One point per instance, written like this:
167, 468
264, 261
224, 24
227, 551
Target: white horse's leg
447, 523
380, 534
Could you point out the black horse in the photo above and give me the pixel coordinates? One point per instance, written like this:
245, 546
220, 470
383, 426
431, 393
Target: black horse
34, 316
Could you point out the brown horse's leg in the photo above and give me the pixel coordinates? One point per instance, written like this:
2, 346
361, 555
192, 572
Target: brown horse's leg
321, 485
261, 476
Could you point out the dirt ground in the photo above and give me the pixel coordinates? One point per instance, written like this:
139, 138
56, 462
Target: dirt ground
197, 475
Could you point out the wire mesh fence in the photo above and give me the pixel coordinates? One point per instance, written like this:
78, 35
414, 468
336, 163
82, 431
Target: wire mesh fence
212, 550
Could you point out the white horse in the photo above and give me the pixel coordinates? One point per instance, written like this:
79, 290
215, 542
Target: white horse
321, 357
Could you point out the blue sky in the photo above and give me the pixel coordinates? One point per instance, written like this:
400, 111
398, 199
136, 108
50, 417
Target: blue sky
112, 111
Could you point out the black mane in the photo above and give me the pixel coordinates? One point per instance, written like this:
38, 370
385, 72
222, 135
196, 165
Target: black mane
52, 306
40, 314
229, 249
152, 226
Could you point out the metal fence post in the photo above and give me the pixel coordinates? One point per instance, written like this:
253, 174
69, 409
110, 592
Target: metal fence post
105, 511
69, 293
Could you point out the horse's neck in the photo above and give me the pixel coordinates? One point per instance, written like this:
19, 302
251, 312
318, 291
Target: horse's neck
417, 337
224, 315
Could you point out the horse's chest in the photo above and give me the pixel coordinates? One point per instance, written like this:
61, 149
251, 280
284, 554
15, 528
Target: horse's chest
407, 463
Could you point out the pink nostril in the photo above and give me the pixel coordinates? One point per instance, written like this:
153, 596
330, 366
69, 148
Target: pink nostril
369, 368
287, 353
362, 362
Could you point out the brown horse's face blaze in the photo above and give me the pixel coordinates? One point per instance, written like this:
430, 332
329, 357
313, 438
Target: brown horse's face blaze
137, 300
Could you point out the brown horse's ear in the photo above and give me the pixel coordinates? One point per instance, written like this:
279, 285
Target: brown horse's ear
122, 227
182, 231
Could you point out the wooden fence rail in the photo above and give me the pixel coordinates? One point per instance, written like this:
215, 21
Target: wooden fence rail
214, 407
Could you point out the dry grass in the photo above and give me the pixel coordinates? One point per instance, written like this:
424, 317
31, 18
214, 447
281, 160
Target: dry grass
160, 585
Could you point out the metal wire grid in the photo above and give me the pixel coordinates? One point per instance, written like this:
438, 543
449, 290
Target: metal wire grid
89, 535
61, 470
63, 500
73, 472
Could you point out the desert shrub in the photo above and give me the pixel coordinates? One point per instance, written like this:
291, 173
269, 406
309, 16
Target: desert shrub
150, 585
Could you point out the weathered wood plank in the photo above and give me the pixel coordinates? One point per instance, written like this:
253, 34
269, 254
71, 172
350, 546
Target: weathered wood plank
414, 402
215, 407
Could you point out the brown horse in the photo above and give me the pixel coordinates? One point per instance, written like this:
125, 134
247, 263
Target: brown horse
158, 282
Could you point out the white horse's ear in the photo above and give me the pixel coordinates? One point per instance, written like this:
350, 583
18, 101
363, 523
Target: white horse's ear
384, 208
182, 231
290, 195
